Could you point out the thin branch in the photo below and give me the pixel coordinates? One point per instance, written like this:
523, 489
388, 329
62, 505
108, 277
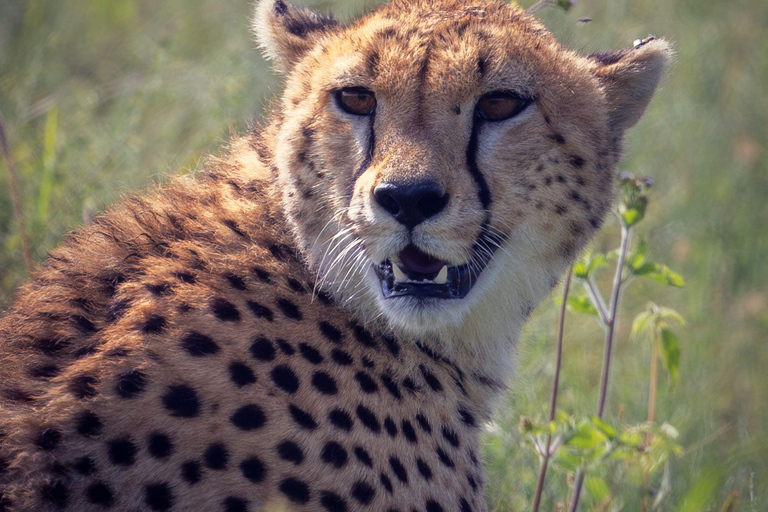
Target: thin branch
597, 299
539, 6
18, 210
607, 350
555, 386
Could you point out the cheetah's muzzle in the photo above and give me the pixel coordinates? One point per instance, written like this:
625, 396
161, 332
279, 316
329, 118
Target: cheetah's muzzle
412, 272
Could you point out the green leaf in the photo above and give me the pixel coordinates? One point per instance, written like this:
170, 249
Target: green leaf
603, 427
564, 4
581, 305
641, 321
661, 273
670, 353
597, 488
670, 314
580, 269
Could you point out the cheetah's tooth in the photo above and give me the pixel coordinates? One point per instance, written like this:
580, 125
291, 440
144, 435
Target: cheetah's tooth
394, 259
400, 276
442, 276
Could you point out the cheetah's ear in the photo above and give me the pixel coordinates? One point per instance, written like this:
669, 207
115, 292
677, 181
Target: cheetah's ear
630, 77
285, 32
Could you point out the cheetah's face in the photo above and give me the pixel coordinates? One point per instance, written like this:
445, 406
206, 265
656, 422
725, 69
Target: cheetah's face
434, 156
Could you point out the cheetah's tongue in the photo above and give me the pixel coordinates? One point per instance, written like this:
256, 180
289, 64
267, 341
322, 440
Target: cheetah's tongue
412, 264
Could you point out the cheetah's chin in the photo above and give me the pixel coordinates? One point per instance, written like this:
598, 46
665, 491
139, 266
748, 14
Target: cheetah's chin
412, 272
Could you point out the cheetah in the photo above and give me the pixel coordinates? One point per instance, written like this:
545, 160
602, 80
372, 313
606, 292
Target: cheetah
326, 316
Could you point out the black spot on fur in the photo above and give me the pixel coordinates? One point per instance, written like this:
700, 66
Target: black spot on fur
368, 418
85, 325
410, 385
423, 423
262, 274
122, 452
225, 310
216, 456
363, 336
253, 469
558, 138
409, 432
99, 493
363, 456
368, 362
450, 436
398, 469
392, 345
367, 384
391, 385
433, 506
159, 289
324, 383
55, 493
330, 332
467, 417
232, 504
289, 309
386, 482
302, 418
341, 357
84, 386
88, 424
241, 375
160, 446
310, 353
465, 505
131, 384
341, 419
47, 371
191, 472
332, 502
296, 490
199, 345
296, 286
84, 465
285, 347
263, 349
285, 379
185, 277
48, 439
430, 379
260, 311
424, 469
181, 401
235, 281
390, 427
231, 224
363, 492
290, 451
444, 458
561, 209
153, 324
334, 454
249, 417
158, 496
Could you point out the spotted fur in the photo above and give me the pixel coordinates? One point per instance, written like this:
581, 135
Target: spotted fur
221, 342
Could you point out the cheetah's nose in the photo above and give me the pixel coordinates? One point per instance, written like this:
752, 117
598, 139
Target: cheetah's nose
411, 203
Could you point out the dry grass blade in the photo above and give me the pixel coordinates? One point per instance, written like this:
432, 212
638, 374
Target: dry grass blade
18, 210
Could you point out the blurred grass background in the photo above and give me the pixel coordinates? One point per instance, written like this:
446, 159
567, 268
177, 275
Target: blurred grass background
104, 96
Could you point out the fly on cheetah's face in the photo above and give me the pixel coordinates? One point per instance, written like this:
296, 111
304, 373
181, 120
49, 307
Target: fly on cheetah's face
445, 153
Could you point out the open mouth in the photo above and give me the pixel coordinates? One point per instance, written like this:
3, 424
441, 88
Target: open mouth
413, 272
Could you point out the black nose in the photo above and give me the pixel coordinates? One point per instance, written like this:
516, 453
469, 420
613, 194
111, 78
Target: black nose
411, 203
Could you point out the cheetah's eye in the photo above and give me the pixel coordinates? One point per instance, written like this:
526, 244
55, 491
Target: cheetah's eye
500, 105
357, 101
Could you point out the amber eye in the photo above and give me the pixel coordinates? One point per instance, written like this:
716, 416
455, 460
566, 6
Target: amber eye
357, 101
499, 106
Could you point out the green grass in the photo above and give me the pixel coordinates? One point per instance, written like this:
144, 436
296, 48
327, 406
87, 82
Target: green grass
104, 96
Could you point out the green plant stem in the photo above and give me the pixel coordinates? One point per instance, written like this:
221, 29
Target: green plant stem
18, 209
597, 300
553, 397
626, 234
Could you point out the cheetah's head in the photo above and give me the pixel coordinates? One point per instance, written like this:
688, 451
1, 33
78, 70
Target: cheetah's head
440, 158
